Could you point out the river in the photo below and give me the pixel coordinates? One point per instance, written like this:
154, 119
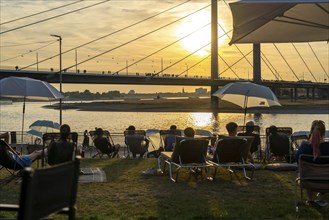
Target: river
117, 122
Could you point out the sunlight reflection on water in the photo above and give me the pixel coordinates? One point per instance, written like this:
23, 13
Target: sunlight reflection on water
11, 119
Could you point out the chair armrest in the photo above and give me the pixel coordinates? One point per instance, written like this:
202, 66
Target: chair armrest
9, 207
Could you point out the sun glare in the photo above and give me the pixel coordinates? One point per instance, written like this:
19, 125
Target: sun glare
198, 39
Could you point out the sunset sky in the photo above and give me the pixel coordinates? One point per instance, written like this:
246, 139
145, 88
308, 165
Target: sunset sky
164, 39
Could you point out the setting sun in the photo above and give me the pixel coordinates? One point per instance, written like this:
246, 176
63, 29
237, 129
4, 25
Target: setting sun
198, 39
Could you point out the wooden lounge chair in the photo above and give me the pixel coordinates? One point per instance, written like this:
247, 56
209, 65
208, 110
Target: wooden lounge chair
63, 154
6, 160
232, 152
189, 153
136, 142
312, 176
46, 191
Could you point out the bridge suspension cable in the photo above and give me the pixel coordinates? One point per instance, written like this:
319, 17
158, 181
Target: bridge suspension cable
30, 51
286, 61
180, 60
191, 67
41, 12
137, 38
157, 51
303, 61
18, 45
324, 70
107, 35
50, 18
235, 63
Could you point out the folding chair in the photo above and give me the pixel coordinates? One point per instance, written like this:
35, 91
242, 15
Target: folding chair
136, 142
232, 152
168, 138
279, 145
63, 153
312, 176
103, 147
46, 191
6, 158
256, 145
297, 140
189, 153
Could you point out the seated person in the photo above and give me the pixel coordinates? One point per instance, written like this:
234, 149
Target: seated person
232, 129
189, 132
61, 151
139, 140
279, 143
21, 160
316, 147
170, 138
104, 145
249, 132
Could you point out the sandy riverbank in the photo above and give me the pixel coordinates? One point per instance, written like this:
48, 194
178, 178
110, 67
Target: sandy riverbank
197, 105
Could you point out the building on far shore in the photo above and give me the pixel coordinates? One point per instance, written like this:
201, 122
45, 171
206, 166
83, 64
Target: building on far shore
201, 91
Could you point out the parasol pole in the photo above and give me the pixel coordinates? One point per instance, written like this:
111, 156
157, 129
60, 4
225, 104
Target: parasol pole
245, 107
23, 124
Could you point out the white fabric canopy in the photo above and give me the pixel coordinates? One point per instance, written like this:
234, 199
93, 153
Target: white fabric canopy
247, 94
24, 87
280, 21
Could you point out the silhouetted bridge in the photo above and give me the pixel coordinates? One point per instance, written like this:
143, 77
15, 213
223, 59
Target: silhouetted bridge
96, 78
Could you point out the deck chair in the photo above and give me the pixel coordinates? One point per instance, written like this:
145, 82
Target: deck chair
232, 152
256, 133
6, 160
168, 138
312, 176
103, 147
297, 140
46, 191
189, 153
136, 142
279, 146
61, 154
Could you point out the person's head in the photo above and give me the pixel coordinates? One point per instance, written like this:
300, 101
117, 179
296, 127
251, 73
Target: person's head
131, 129
318, 130
65, 131
99, 132
273, 130
189, 132
250, 126
173, 127
232, 128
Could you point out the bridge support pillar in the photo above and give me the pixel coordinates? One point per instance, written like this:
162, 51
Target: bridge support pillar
291, 94
214, 52
296, 93
313, 93
308, 93
257, 64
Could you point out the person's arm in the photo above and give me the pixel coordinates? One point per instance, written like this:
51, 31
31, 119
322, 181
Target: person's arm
304, 148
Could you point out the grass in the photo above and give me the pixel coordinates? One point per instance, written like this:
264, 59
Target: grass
128, 194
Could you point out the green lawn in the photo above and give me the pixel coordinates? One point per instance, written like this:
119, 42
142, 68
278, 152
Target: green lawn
128, 194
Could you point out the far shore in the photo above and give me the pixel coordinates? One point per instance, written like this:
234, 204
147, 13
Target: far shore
197, 105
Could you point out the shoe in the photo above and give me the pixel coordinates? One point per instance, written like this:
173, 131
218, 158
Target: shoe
317, 203
150, 171
321, 202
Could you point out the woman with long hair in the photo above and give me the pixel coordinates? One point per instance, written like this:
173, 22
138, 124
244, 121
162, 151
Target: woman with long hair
316, 146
